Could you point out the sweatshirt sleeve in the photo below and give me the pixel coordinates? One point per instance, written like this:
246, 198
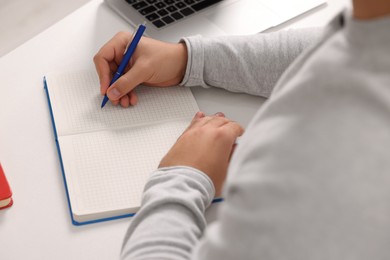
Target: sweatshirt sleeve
250, 64
171, 219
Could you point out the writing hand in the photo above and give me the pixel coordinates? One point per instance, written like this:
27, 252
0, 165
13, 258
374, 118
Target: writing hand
154, 63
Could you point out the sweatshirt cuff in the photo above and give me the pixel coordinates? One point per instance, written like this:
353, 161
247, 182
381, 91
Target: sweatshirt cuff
178, 182
195, 63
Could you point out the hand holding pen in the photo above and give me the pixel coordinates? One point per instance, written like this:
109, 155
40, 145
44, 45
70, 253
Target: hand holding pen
126, 59
153, 63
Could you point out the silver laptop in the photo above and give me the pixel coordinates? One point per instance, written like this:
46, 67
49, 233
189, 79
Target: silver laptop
169, 20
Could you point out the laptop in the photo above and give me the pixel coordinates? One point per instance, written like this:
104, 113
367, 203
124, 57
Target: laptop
169, 20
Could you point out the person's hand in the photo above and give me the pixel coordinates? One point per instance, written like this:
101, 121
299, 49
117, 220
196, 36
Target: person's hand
207, 145
154, 63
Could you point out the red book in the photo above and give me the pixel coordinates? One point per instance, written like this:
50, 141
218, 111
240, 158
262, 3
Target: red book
5, 191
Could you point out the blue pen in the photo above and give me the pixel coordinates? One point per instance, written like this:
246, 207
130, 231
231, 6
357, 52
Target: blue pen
126, 58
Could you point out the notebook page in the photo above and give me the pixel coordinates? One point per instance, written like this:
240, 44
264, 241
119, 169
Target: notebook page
76, 101
106, 171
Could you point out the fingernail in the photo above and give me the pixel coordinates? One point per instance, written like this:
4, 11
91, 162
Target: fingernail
114, 93
199, 114
220, 114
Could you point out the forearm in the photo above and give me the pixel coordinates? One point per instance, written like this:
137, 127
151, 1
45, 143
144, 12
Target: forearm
250, 64
171, 219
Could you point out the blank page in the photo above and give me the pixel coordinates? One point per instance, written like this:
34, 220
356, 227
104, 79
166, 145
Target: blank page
106, 171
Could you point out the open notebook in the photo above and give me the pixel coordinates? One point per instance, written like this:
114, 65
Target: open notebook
108, 154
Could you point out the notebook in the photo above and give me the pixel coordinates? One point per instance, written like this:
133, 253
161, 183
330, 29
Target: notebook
170, 20
107, 154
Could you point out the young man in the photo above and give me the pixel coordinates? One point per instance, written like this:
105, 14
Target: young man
310, 178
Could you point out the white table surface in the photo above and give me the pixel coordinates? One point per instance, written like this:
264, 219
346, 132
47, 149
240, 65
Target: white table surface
38, 225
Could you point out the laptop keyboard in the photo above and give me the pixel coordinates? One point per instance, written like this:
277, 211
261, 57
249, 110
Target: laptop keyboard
164, 12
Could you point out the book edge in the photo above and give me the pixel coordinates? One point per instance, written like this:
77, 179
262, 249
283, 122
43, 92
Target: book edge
57, 145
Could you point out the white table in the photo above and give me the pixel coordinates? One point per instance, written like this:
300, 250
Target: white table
38, 225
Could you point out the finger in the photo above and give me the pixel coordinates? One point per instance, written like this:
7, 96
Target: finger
113, 68
103, 70
217, 121
125, 101
113, 50
127, 82
201, 121
234, 129
115, 103
133, 98
199, 115
105, 79
106, 58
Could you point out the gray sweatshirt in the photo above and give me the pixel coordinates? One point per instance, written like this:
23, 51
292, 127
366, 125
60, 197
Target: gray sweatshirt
310, 178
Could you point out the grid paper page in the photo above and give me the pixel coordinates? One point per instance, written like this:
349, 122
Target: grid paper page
108, 153
106, 171
76, 101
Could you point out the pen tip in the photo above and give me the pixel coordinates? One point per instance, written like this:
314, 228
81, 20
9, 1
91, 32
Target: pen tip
105, 99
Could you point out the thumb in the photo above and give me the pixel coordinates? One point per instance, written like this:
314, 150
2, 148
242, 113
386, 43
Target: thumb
126, 83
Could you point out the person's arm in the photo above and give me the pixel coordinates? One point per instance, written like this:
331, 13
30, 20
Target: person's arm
250, 64
171, 219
